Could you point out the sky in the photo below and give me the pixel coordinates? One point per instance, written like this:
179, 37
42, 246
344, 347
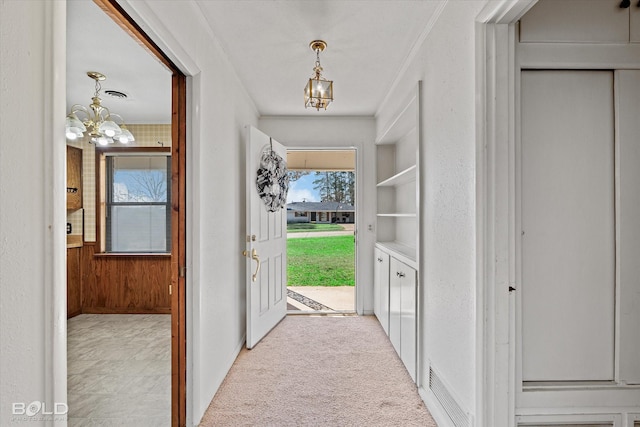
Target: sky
303, 189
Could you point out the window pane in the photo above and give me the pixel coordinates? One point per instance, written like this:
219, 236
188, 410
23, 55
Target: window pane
139, 179
139, 229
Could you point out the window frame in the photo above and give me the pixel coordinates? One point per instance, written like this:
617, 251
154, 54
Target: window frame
103, 192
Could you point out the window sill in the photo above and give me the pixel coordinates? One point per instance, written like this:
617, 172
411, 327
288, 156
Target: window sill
132, 254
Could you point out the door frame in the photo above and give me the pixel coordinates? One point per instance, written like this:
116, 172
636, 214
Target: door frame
495, 212
178, 202
498, 66
358, 294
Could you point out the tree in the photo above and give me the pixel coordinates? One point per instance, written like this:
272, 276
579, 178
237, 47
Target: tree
335, 186
296, 175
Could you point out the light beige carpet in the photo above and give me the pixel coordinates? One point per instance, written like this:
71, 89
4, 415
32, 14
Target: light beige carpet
319, 371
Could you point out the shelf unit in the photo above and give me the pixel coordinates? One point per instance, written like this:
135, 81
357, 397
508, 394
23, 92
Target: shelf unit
397, 152
397, 251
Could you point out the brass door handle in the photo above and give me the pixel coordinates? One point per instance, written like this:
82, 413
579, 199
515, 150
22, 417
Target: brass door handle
256, 258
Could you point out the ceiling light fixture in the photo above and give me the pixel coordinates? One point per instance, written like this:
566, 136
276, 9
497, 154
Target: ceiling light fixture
103, 130
319, 91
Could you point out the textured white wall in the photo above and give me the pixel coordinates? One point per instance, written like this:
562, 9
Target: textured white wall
446, 64
218, 110
356, 132
32, 235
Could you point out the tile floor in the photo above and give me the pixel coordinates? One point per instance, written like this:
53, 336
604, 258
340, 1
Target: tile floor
119, 370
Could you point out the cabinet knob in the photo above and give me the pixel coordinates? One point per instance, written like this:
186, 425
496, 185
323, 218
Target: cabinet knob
379, 259
625, 4
400, 274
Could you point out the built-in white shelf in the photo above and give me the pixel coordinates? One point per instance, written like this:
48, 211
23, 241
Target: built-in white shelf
404, 253
402, 177
398, 215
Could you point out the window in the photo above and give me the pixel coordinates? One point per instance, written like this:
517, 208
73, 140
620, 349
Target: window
137, 210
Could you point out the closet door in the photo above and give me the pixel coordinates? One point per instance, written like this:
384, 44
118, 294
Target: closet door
568, 226
628, 107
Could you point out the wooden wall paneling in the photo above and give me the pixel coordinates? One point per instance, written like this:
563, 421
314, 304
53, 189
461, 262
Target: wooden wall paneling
74, 293
125, 284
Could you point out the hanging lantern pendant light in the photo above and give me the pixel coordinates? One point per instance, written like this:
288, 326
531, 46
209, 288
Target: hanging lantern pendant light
319, 91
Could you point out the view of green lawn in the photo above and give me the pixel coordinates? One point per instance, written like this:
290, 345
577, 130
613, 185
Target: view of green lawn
321, 261
306, 227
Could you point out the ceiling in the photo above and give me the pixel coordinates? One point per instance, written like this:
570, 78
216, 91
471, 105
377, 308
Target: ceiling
267, 42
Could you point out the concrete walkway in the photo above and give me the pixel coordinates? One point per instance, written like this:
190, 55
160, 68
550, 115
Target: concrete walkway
318, 234
347, 229
337, 298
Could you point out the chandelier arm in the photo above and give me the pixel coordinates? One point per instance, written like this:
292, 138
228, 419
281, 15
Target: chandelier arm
115, 115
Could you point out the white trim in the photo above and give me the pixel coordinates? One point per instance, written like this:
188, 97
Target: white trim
614, 419
55, 171
495, 263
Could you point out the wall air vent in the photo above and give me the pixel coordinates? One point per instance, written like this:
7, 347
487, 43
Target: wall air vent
451, 407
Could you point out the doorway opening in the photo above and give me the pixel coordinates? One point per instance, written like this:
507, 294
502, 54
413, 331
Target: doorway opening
321, 227
126, 294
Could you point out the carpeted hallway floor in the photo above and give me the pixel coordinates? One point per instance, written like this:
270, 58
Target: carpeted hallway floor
319, 371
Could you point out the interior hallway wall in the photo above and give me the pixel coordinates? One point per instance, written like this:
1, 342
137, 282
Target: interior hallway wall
348, 132
218, 110
446, 64
32, 221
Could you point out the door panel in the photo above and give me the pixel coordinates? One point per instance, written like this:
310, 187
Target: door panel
628, 106
395, 304
568, 226
381, 285
266, 279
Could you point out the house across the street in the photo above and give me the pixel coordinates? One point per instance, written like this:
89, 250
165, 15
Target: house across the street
320, 212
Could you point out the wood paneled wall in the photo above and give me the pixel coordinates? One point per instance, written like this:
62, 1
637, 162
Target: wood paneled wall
124, 283
74, 293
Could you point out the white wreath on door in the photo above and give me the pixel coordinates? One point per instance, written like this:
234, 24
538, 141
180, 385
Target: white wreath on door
272, 180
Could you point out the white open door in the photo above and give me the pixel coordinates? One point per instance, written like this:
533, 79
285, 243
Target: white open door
266, 249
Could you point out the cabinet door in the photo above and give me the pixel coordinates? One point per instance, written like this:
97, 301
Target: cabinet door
74, 178
578, 21
381, 288
408, 318
568, 226
628, 107
395, 307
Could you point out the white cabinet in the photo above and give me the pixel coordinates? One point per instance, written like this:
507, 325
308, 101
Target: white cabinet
397, 170
628, 105
568, 226
580, 219
396, 278
581, 21
381, 288
402, 319
401, 311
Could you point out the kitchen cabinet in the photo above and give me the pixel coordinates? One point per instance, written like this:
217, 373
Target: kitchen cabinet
74, 178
